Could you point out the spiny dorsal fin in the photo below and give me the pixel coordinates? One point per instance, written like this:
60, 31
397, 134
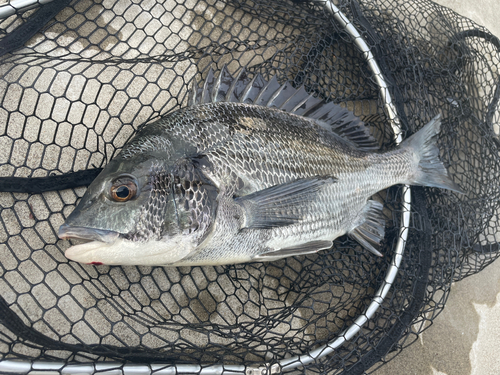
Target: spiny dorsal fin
256, 90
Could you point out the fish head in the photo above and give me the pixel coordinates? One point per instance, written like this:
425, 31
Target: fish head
142, 210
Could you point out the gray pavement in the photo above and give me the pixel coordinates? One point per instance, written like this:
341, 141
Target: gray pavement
465, 337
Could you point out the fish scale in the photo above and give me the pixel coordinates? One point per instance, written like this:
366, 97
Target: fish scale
269, 183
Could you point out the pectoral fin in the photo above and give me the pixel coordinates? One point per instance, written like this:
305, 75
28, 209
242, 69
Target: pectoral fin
281, 205
372, 229
302, 249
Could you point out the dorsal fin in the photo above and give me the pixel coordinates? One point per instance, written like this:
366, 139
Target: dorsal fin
256, 90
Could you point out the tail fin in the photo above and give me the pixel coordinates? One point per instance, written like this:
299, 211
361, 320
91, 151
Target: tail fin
431, 171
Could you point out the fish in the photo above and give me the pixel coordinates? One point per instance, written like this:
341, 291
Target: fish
249, 171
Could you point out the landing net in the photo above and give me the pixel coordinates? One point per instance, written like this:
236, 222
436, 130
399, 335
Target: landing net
78, 78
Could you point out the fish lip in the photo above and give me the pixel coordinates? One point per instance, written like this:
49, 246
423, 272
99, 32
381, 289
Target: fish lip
92, 234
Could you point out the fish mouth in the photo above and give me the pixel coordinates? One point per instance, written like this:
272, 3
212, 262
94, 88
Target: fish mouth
67, 232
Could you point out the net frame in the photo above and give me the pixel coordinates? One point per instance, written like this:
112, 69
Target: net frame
284, 364
14, 6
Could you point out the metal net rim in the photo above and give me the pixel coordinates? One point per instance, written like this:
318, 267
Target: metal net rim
15, 6
25, 367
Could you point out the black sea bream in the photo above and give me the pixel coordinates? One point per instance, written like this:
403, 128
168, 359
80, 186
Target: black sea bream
224, 181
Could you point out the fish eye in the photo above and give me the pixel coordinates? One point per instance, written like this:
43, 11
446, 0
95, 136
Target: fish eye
123, 189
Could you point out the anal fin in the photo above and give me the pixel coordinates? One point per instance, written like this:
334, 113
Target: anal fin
372, 229
302, 249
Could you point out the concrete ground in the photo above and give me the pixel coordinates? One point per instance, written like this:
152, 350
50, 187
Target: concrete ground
465, 337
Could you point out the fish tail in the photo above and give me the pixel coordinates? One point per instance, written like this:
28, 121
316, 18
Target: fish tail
430, 170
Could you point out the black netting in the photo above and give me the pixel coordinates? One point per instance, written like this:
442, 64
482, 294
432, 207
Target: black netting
78, 78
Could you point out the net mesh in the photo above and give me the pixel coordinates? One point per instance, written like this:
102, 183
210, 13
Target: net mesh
75, 86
